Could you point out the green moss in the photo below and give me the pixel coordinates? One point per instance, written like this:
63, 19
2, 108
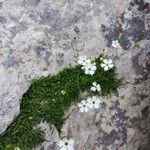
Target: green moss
48, 98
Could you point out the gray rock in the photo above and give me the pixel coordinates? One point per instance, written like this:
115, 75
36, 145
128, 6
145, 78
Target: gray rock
36, 36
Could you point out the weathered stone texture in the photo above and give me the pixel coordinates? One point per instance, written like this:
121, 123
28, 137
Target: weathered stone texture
35, 38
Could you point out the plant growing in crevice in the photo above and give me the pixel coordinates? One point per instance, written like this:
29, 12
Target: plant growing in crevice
48, 98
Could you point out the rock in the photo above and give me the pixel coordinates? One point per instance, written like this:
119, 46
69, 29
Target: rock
35, 40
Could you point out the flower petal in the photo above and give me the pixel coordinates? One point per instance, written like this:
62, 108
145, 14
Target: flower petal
61, 143
96, 106
63, 148
86, 109
94, 83
110, 61
92, 72
105, 61
111, 66
79, 62
106, 68
71, 142
81, 109
103, 65
88, 61
83, 102
98, 87
93, 88
89, 105
70, 148
80, 105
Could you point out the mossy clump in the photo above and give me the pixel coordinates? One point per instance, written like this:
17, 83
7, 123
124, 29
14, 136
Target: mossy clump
48, 98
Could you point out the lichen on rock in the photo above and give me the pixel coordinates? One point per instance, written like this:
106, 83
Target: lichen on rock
35, 36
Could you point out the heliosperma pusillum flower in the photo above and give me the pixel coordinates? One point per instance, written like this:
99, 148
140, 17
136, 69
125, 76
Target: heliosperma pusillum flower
87, 65
83, 106
95, 87
90, 68
83, 60
115, 44
91, 102
66, 144
107, 64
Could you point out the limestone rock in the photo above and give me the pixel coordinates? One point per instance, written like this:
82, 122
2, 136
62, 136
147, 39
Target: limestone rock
35, 40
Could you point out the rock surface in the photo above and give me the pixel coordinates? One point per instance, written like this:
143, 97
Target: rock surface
35, 39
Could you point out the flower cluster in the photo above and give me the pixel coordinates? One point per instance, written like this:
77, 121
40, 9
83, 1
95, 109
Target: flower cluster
83, 106
87, 65
115, 44
95, 87
66, 144
107, 64
83, 60
91, 102
90, 68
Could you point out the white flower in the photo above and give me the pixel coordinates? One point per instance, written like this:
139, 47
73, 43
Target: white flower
66, 144
93, 102
107, 64
17, 148
115, 44
90, 68
83, 60
95, 87
83, 106
87, 65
